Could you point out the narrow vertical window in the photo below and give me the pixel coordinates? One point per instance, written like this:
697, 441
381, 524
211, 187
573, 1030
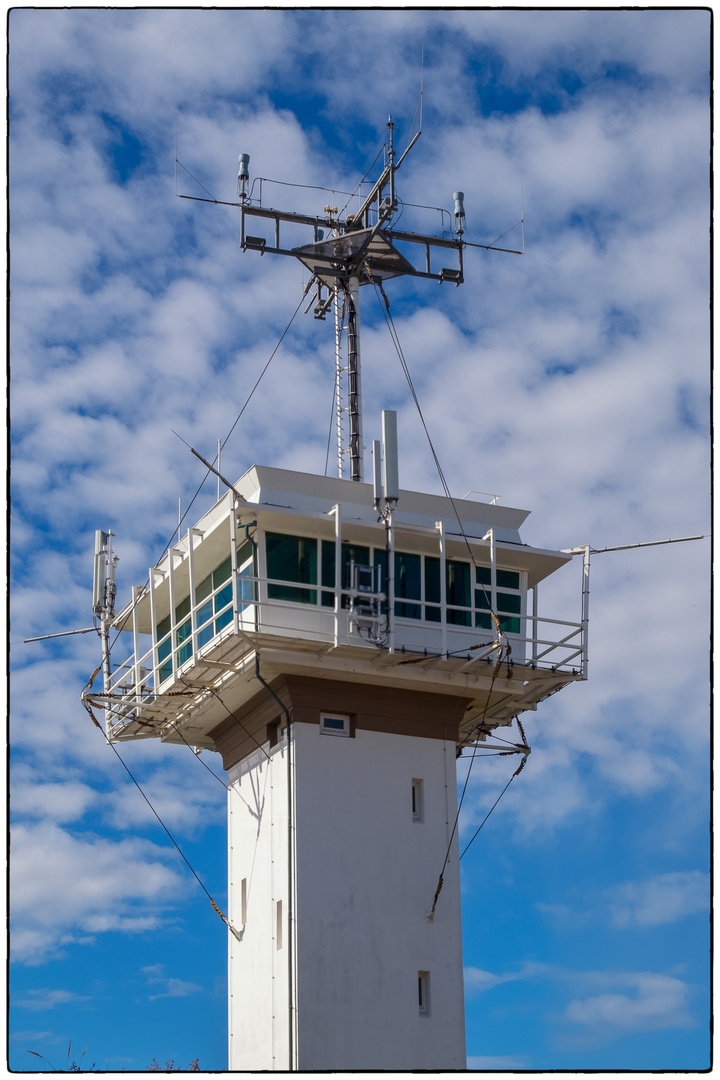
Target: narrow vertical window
243, 901
424, 993
417, 800
278, 925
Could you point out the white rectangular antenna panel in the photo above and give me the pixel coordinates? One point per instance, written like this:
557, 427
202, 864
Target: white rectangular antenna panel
390, 454
377, 471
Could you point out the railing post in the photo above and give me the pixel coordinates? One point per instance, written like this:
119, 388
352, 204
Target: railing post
534, 623
136, 593
234, 565
172, 552
191, 582
493, 574
153, 630
443, 589
338, 572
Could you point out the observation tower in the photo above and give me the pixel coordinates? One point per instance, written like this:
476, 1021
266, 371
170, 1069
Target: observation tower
339, 643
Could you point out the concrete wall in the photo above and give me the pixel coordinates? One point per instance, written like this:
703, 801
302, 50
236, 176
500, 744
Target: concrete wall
258, 989
366, 872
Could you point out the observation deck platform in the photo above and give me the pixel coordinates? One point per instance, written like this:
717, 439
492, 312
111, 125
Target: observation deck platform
290, 575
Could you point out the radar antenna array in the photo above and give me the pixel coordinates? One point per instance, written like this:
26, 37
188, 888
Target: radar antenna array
349, 250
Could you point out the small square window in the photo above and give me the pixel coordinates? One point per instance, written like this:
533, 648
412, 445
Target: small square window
332, 724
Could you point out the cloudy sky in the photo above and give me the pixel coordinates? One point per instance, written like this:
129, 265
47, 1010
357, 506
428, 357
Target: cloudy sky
572, 381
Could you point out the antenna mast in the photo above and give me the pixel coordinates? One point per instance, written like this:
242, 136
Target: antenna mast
359, 250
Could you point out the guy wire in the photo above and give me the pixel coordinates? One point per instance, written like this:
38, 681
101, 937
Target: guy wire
166, 831
203, 763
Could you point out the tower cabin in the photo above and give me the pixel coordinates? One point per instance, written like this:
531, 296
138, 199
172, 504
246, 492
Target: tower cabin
339, 661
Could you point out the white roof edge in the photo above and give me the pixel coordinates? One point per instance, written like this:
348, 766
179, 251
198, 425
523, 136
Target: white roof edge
306, 487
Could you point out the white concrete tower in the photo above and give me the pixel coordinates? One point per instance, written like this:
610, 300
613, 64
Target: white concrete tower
337, 644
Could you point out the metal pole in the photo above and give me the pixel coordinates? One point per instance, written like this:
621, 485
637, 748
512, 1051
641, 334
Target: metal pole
391, 162
354, 388
338, 381
391, 580
104, 638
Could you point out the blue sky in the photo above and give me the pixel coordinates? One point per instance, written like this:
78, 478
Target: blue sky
574, 381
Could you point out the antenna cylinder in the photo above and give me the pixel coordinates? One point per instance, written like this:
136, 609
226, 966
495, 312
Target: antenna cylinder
460, 223
243, 174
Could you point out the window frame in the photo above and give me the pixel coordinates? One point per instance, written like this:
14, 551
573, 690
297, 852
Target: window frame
344, 732
463, 580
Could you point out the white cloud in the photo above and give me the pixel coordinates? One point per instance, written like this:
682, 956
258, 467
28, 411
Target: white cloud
42, 999
88, 885
654, 1003
661, 899
172, 987
629, 1002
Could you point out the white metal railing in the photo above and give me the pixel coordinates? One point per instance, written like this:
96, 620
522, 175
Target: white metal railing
210, 621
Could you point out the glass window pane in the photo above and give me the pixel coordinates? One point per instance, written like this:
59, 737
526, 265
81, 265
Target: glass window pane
223, 619
407, 576
482, 575
245, 552
432, 614
204, 616
458, 583
432, 583
509, 602
458, 618
183, 633
510, 625
407, 611
164, 649
288, 592
203, 589
354, 553
483, 621
182, 609
291, 558
328, 565
508, 579
482, 599
222, 573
